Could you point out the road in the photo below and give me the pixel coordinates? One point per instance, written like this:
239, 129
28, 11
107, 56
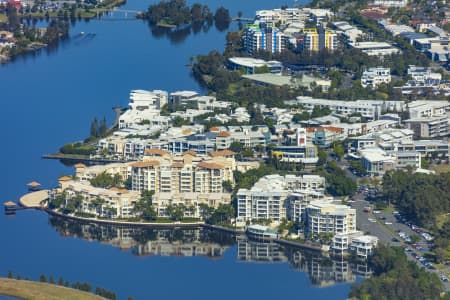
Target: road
386, 233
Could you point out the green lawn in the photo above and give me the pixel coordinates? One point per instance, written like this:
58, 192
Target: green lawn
440, 220
31, 290
442, 168
3, 18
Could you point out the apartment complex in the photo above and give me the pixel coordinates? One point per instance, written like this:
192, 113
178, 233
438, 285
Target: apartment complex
427, 108
301, 151
324, 137
264, 36
325, 217
269, 198
107, 203
315, 39
162, 172
143, 106
362, 246
431, 127
373, 77
370, 109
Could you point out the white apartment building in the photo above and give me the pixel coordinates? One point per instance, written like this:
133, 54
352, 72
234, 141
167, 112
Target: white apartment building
423, 74
373, 77
182, 97
326, 217
357, 243
377, 161
284, 16
376, 138
370, 109
391, 3
429, 127
375, 48
109, 203
427, 108
143, 106
269, 197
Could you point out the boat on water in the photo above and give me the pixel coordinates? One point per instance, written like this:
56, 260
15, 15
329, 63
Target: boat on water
261, 232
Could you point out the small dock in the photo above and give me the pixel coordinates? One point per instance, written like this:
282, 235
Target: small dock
34, 199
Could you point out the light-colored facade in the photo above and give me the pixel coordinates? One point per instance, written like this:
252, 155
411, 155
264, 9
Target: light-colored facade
391, 3
375, 48
362, 246
269, 197
325, 136
108, 203
370, 109
264, 37
324, 217
427, 108
251, 65
431, 127
374, 77
143, 107
164, 173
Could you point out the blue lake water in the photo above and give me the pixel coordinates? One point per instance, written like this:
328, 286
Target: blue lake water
50, 99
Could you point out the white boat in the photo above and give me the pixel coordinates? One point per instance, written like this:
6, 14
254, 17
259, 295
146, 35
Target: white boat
261, 232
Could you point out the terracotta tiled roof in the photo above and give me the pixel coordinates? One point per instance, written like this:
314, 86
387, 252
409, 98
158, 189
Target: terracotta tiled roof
64, 178
335, 129
80, 165
155, 151
208, 165
177, 165
144, 164
34, 184
214, 129
9, 203
186, 132
190, 152
331, 128
223, 134
222, 153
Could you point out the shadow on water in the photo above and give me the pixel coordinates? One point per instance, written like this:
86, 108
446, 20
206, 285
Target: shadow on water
177, 35
186, 242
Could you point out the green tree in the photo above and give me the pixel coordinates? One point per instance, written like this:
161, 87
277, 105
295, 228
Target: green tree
236, 147
102, 129
94, 128
176, 211
338, 149
227, 186
222, 214
43, 278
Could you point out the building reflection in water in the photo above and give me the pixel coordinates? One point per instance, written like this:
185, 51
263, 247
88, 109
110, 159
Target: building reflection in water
322, 270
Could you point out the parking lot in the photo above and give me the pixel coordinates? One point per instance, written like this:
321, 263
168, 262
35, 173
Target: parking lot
391, 230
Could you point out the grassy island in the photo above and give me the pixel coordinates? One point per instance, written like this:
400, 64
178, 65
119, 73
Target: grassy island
42, 291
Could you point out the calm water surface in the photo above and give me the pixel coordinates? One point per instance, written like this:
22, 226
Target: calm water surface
50, 99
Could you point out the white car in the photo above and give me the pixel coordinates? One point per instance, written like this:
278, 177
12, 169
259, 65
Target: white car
371, 220
377, 212
388, 223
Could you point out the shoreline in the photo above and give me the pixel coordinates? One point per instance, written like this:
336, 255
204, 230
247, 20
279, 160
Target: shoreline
35, 199
29, 289
179, 225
